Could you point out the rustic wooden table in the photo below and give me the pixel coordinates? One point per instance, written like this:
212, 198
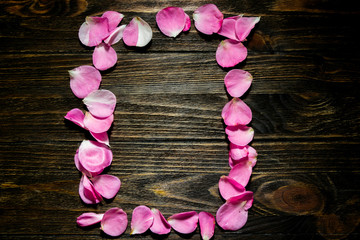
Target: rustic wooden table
168, 136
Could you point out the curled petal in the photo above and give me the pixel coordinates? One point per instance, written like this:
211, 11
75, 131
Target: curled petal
207, 225
87, 191
104, 57
114, 18
88, 219
241, 172
244, 25
160, 225
137, 33
84, 80
238, 152
230, 52
101, 137
187, 23
208, 19
229, 187
185, 222
76, 116
252, 157
97, 125
115, 36
239, 135
93, 31
107, 185
236, 158
233, 214
141, 220
100, 103
228, 28
236, 112
237, 82
114, 222
171, 21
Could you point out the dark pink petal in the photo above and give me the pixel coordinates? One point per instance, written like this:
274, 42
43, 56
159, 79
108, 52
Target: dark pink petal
233, 214
87, 192
230, 52
187, 23
171, 21
114, 18
160, 225
107, 185
241, 172
239, 135
84, 80
137, 33
236, 112
94, 157
185, 222
207, 225
229, 187
101, 137
76, 116
115, 36
97, 125
93, 31
208, 19
228, 28
104, 57
244, 25
114, 222
237, 82
141, 220
88, 219
100, 103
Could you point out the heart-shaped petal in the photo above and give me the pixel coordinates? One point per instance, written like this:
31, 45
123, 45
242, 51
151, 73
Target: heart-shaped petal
114, 18
185, 222
237, 82
244, 25
104, 57
171, 21
98, 125
87, 192
114, 222
230, 52
239, 135
84, 80
137, 33
141, 220
76, 116
229, 187
88, 219
207, 225
115, 36
93, 31
100, 103
160, 225
236, 112
107, 185
241, 172
208, 19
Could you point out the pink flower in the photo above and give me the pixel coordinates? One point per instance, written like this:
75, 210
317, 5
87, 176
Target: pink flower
142, 219
237, 82
208, 19
84, 80
137, 33
185, 222
172, 21
236, 112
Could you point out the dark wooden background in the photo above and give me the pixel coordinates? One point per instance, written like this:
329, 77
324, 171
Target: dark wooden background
168, 137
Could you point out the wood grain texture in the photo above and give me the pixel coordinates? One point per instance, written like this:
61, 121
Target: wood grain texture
168, 138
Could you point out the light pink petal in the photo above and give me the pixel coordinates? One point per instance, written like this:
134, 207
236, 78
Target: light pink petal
160, 225
115, 36
84, 80
104, 57
107, 185
78, 164
208, 19
114, 222
94, 157
171, 21
230, 52
236, 157
241, 172
97, 125
93, 31
207, 225
100, 103
236, 112
244, 25
233, 214
87, 192
239, 135
185, 222
187, 23
228, 28
101, 137
88, 219
252, 157
141, 220
114, 18
229, 187
137, 33
76, 116
237, 82
238, 152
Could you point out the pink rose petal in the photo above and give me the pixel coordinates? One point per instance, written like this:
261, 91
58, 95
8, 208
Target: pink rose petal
84, 80
250, 157
114, 18
241, 172
107, 185
88, 219
115, 36
207, 225
236, 112
238, 152
229, 187
137, 33
114, 222
76, 116
239, 135
160, 225
142, 219
87, 192
101, 137
228, 28
93, 31
171, 21
98, 125
104, 57
208, 19
244, 25
230, 52
233, 214
237, 82
187, 23
100, 103
185, 222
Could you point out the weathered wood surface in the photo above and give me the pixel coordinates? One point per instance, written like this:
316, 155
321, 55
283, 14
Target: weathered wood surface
168, 138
